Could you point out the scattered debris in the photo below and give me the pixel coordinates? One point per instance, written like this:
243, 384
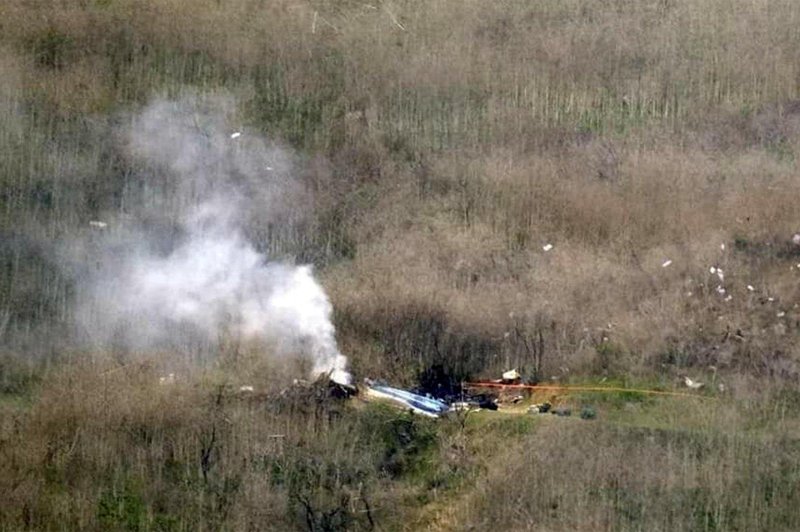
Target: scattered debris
694, 385
781, 314
666, 263
547, 247
98, 224
750, 288
722, 246
712, 270
720, 290
462, 406
511, 376
730, 297
246, 389
236, 135
167, 379
540, 408
796, 239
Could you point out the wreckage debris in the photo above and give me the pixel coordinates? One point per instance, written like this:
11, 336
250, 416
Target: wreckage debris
511, 377
418, 404
462, 406
541, 408
694, 385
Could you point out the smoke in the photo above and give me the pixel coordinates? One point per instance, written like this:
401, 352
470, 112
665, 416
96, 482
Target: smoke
181, 270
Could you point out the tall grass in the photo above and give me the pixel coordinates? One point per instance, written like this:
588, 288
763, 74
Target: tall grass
443, 145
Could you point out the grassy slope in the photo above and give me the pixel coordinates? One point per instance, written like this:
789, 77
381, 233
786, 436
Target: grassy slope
444, 144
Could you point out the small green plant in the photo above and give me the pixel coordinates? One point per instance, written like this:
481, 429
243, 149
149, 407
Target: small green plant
51, 48
122, 509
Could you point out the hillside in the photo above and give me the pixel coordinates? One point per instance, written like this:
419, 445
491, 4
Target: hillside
582, 190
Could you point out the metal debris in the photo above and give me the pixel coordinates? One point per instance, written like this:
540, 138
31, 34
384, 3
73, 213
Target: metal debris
666, 263
694, 385
418, 404
547, 247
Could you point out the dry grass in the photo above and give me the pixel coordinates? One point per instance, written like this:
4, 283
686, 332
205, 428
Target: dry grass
612, 478
443, 145
107, 447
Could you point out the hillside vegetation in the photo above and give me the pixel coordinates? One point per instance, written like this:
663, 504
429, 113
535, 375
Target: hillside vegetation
440, 147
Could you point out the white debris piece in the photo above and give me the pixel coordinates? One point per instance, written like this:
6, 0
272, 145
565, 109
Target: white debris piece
750, 288
511, 375
666, 263
720, 290
712, 270
269, 168
796, 239
167, 379
246, 388
728, 298
236, 135
547, 247
694, 385
781, 314
770, 299
460, 406
98, 224
722, 247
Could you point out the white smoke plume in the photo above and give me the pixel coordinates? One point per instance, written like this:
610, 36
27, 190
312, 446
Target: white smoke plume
205, 277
